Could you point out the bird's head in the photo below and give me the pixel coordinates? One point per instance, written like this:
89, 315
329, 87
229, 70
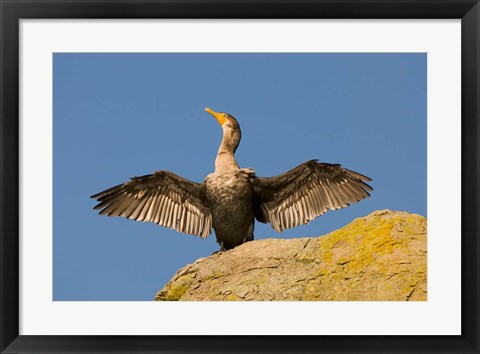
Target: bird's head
226, 120
231, 129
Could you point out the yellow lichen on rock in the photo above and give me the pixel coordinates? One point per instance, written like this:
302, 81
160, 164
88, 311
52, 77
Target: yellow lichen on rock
176, 291
378, 257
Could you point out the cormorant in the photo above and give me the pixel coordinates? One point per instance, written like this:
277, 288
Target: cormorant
231, 198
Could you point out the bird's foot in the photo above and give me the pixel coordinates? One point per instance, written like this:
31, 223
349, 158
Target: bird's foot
221, 250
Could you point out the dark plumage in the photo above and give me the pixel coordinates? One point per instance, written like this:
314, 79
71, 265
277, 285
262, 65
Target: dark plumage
231, 198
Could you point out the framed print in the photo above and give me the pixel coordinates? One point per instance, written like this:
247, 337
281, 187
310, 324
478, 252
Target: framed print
371, 107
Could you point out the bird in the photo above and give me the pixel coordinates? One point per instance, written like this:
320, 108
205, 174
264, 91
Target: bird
230, 199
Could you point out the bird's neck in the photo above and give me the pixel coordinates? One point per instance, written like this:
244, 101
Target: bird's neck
225, 161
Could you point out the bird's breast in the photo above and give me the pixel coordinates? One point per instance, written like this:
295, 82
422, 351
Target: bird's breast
226, 188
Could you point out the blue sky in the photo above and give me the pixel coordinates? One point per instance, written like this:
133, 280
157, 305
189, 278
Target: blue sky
116, 116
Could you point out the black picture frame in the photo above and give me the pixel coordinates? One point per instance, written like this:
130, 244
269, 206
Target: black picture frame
11, 11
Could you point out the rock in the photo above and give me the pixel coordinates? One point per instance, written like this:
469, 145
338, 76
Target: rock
382, 256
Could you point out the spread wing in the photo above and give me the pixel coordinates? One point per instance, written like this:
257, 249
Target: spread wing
163, 198
305, 192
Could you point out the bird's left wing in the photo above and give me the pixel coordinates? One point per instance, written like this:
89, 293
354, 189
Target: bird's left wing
306, 192
163, 198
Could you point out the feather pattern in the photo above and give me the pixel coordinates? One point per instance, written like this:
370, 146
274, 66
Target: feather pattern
163, 198
306, 192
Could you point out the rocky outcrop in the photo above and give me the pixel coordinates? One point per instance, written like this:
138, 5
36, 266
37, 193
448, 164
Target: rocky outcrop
382, 256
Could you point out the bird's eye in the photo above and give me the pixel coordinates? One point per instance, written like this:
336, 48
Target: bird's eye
224, 115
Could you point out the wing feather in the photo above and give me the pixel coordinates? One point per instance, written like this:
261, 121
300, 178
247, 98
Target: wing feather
146, 206
163, 210
163, 198
151, 209
306, 192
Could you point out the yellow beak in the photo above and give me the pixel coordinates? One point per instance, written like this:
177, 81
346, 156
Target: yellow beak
219, 116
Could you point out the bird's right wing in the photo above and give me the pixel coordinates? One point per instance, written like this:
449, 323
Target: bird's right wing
163, 198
